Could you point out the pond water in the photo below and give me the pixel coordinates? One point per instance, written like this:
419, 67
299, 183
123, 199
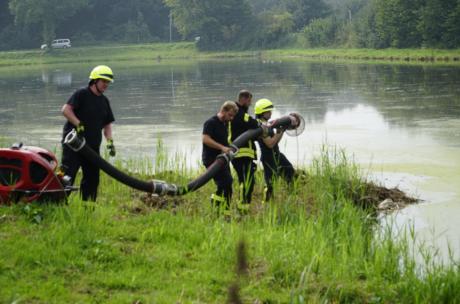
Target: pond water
400, 123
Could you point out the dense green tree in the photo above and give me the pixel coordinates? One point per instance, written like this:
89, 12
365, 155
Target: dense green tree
348, 20
433, 21
346, 9
262, 6
46, 13
321, 32
451, 37
364, 27
119, 20
234, 23
396, 23
273, 28
219, 24
304, 11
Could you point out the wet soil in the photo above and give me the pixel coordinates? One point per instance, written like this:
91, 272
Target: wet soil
383, 199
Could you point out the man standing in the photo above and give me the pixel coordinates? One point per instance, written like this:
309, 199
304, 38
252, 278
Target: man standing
244, 160
274, 162
215, 142
89, 112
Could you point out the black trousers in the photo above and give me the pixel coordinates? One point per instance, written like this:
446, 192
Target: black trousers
223, 180
71, 162
276, 166
245, 169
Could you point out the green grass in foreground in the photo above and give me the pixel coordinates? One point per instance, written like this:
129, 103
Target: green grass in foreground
311, 245
187, 50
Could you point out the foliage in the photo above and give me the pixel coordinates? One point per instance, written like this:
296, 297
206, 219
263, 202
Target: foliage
46, 13
395, 29
274, 27
310, 245
320, 32
305, 11
233, 24
452, 34
219, 24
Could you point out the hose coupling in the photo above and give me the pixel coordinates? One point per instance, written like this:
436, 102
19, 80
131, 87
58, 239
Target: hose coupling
73, 141
162, 188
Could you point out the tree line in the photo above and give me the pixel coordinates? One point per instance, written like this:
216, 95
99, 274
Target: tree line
234, 24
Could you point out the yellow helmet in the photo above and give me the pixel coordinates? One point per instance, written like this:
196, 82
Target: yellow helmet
263, 105
101, 72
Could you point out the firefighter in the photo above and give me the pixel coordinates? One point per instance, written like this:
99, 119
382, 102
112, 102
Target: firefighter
215, 141
243, 163
274, 162
88, 111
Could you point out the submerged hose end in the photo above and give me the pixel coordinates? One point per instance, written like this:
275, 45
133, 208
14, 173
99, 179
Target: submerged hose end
73, 141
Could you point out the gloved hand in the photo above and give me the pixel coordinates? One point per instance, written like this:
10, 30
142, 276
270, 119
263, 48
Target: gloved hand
80, 129
111, 147
281, 129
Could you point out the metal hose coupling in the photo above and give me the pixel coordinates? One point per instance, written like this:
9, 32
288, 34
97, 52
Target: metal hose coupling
230, 155
73, 141
163, 188
297, 125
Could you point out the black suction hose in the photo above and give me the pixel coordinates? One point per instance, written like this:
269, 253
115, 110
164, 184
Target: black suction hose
78, 145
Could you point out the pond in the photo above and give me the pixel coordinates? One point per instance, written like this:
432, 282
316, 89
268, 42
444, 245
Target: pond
401, 123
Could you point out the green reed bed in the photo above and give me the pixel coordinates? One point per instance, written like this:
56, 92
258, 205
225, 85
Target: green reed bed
312, 244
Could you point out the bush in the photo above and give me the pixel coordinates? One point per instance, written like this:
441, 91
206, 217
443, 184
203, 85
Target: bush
321, 32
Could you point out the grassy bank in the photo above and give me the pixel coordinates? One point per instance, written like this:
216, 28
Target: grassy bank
184, 50
311, 245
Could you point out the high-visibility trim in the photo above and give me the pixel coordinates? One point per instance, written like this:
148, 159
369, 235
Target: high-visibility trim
242, 152
217, 198
264, 195
246, 152
229, 131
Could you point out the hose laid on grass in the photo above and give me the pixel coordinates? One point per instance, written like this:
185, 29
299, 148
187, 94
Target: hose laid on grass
78, 144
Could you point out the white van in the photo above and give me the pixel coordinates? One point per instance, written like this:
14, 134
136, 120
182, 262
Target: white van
58, 44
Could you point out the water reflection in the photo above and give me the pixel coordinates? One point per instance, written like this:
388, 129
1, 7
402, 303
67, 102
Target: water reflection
58, 78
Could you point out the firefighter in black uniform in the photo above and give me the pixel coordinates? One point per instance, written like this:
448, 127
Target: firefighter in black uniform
89, 112
274, 162
243, 163
215, 142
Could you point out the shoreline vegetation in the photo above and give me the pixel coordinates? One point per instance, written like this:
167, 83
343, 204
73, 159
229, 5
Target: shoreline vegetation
187, 51
317, 241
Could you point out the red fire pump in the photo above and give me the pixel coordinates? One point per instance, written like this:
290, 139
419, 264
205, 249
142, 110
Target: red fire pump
29, 174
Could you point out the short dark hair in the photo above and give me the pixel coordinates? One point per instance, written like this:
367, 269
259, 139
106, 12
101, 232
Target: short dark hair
244, 93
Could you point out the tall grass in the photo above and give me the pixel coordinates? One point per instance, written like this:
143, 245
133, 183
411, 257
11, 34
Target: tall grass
312, 244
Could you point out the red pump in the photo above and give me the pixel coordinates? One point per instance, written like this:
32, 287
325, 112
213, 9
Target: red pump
28, 174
